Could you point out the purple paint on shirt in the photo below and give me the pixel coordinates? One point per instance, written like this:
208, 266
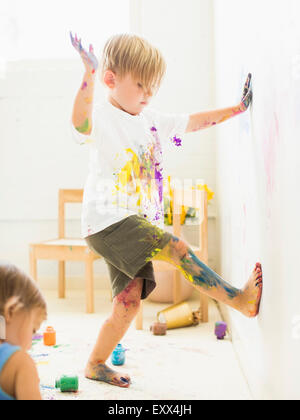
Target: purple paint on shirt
177, 141
158, 165
158, 173
84, 85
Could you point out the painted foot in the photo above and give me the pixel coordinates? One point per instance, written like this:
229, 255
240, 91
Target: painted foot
101, 372
252, 292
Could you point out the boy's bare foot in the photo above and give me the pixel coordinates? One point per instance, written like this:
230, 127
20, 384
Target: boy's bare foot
101, 372
251, 294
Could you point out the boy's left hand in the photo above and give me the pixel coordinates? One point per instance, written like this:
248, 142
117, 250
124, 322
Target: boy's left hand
247, 94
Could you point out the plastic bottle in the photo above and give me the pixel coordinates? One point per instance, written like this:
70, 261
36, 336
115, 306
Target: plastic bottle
118, 355
220, 330
50, 337
67, 383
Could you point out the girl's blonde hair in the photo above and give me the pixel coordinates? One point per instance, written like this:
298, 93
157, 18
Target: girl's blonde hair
129, 53
16, 285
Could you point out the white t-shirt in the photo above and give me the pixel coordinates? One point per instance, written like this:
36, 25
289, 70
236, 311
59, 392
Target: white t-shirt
126, 165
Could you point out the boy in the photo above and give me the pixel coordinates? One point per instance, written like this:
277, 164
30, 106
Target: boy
123, 213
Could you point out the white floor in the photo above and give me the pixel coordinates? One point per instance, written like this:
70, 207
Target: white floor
188, 363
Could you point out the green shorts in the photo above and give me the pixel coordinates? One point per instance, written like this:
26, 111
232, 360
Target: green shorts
127, 248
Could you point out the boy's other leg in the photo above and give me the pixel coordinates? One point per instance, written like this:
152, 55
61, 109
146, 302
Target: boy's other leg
125, 308
246, 301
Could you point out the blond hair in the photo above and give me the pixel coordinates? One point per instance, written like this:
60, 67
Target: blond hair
17, 286
130, 54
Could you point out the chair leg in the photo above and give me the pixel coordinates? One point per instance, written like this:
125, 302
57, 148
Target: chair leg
204, 307
32, 264
176, 286
89, 282
139, 318
61, 280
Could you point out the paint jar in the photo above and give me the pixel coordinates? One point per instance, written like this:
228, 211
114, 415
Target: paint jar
159, 328
118, 356
49, 337
176, 316
220, 330
67, 383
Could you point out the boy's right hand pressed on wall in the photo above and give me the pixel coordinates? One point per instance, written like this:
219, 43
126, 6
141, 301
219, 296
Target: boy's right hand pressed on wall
89, 59
247, 93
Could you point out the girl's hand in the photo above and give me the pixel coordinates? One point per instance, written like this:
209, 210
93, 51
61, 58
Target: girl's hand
89, 59
247, 94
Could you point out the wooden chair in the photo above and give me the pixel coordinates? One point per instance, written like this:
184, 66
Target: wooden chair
66, 249
191, 198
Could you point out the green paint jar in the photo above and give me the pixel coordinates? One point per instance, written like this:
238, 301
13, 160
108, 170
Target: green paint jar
67, 383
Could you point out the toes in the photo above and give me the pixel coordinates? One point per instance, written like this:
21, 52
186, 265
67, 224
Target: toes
124, 382
258, 271
259, 280
119, 382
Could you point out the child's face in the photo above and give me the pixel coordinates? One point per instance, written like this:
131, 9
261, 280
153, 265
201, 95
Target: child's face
127, 94
21, 325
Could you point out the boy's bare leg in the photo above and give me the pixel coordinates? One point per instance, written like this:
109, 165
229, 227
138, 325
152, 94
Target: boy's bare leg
246, 301
125, 308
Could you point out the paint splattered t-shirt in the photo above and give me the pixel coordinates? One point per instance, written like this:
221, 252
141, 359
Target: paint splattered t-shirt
126, 165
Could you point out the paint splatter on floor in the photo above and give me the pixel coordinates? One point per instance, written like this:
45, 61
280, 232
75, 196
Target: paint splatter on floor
158, 366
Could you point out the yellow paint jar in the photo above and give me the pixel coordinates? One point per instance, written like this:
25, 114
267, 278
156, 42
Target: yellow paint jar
177, 316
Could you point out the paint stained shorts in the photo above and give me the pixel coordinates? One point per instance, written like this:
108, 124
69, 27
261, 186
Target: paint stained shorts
127, 248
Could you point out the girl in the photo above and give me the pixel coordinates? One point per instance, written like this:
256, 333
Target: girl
22, 310
123, 214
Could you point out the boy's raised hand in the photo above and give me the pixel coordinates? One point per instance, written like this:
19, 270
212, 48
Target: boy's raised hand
247, 94
89, 59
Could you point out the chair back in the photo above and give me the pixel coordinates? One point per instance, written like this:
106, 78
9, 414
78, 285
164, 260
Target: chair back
66, 196
191, 197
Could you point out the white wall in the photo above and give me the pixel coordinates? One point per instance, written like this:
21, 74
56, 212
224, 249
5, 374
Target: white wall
257, 183
38, 156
